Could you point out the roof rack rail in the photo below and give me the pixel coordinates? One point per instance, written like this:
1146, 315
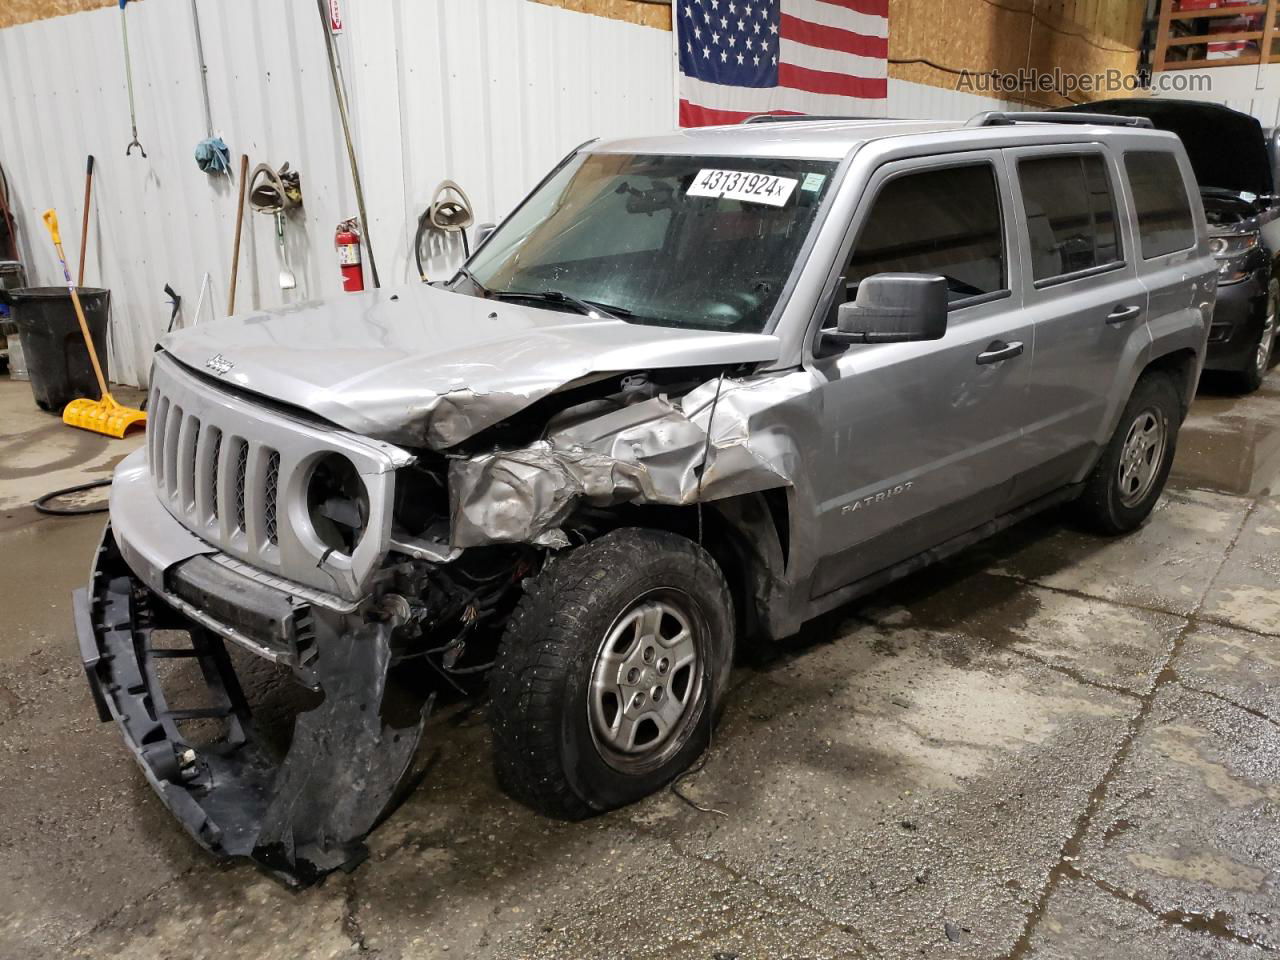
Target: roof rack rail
1002, 118
794, 117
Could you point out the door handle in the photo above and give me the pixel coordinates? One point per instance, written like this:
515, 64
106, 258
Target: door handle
998, 350
1123, 312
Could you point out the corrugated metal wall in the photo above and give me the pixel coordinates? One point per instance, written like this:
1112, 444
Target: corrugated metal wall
487, 92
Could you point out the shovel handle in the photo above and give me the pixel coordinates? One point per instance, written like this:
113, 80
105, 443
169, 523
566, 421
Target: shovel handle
51, 224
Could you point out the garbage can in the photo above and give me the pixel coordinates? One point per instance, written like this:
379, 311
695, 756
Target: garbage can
57, 361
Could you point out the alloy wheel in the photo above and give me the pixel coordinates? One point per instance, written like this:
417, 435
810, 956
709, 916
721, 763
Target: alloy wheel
1141, 455
645, 681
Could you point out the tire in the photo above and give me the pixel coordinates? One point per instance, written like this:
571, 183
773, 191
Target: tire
1114, 502
1249, 378
580, 635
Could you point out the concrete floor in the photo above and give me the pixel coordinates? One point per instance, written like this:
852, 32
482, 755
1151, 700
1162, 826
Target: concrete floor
1055, 746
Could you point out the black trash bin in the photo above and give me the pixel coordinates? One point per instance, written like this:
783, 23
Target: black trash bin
53, 346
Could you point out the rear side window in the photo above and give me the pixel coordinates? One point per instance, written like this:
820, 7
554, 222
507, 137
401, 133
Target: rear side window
1071, 214
944, 221
1164, 215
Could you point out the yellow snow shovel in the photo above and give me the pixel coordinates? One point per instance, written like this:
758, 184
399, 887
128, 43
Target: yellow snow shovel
100, 416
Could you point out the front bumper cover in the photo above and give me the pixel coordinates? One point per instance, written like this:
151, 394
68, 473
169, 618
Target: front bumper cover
1238, 317
299, 816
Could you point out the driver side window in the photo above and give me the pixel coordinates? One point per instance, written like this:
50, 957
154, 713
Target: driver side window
941, 221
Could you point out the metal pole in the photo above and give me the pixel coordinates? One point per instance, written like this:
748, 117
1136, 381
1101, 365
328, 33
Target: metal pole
346, 133
204, 69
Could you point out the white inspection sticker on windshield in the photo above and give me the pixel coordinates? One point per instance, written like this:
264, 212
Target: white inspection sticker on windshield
747, 187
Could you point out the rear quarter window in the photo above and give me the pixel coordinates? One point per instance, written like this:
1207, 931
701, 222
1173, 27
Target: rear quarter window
1071, 214
1160, 200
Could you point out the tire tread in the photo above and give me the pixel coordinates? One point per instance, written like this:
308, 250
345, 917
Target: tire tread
542, 643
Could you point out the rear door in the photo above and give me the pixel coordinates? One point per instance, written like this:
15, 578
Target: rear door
921, 440
1083, 299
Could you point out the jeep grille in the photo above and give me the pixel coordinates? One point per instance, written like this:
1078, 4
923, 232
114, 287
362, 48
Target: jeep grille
221, 465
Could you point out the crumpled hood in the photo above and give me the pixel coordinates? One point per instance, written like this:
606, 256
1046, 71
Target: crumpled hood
424, 366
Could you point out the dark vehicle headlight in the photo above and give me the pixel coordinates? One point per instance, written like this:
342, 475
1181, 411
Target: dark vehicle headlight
1224, 248
337, 503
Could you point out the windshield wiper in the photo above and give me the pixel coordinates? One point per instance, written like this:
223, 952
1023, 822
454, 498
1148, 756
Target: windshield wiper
588, 307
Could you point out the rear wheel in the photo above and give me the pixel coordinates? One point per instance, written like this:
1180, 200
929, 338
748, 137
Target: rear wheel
1258, 363
607, 678
1131, 473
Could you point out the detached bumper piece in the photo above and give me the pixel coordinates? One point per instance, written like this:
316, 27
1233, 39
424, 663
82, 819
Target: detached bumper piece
300, 816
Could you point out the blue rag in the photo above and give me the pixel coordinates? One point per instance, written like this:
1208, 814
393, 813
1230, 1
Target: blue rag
213, 156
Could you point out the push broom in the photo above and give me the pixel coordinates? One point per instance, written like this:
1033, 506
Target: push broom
101, 416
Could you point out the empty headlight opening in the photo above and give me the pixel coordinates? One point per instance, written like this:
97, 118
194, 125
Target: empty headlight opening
337, 503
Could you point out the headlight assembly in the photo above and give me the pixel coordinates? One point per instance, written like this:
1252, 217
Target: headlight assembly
1224, 248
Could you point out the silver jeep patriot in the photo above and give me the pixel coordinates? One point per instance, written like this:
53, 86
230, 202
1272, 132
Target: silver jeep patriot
695, 390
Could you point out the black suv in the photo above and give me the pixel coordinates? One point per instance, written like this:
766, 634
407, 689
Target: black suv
1233, 167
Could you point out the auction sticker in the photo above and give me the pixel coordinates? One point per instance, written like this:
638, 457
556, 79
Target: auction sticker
747, 187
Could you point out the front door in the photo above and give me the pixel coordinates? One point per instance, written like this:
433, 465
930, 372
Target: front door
922, 440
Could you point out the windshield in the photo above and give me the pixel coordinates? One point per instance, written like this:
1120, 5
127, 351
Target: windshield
704, 242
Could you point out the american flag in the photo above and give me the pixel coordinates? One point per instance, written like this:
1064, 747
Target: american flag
743, 57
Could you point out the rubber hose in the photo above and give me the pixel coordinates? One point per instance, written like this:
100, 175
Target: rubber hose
424, 222
42, 505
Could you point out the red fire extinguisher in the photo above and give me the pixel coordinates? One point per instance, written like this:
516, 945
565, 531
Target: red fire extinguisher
347, 240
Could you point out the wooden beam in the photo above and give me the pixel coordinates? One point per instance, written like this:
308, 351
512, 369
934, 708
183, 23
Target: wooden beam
1237, 11
1241, 61
1268, 31
1216, 38
1162, 35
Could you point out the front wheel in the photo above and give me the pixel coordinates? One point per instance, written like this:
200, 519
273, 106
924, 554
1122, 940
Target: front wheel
1130, 475
610, 672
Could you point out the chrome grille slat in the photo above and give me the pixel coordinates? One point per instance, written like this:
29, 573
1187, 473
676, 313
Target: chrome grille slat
158, 422
169, 456
185, 459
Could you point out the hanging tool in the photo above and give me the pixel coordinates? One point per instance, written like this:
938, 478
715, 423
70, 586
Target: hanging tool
175, 301
128, 73
274, 192
212, 155
340, 95
235, 251
287, 280
206, 287
84, 224
446, 214
104, 415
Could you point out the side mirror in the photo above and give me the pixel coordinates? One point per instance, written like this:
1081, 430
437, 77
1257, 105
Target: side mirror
893, 308
483, 231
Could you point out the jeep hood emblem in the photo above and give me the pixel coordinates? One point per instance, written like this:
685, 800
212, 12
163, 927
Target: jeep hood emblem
219, 364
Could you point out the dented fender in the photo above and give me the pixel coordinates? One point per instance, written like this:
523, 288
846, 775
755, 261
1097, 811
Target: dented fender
719, 440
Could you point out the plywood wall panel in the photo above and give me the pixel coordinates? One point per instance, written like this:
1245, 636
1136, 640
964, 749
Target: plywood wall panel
1006, 36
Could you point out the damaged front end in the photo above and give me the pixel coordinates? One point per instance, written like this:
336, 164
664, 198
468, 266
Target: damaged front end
720, 439
462, 529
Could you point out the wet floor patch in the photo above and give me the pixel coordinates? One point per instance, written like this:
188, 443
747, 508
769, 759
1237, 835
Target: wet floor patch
1230, 444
